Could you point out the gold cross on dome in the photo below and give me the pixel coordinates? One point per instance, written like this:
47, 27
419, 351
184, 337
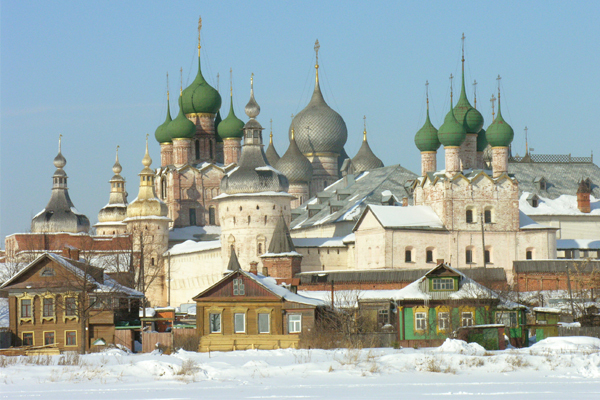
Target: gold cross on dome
317, 47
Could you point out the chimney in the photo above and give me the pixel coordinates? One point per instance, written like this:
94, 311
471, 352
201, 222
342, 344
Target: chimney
405, 202
583, 197
70, 252
254, 267
439, 261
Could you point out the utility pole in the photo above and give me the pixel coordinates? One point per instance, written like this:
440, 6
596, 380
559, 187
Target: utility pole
570, 292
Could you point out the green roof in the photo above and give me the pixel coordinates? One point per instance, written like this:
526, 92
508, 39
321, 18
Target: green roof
451, 133
218, 120
465, 113
426, 138
232, 126
499, 133
181, 127
481, 140
200, 97
161, 134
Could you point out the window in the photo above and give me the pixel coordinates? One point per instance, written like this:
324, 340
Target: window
429, 256
71, 338
211, 216
469, 216
238, 287
529, 255
534, 202
48, 338
25, 308
443, 284
420, 321
294, 323
259, 250
192, 216
47, 272
249, 219
263, 323
383, 317
210, 149
487, 256
70, 307
467, 319
507, 318
487, 216
239, 322
443, 321
197, 148
48, 310
469, 256
408, 255
215, 323
27, 338
265, 219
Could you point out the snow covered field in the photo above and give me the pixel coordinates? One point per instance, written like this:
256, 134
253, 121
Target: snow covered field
556, 368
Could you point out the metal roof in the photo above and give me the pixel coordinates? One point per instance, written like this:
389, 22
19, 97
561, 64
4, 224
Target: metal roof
556, 266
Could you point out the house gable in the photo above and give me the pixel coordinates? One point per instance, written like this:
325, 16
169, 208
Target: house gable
230, 288
44, 273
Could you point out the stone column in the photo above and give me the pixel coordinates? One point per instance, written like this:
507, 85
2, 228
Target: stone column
480, 161
428, 162
205, 134
499, 161
166, 154
232, 149
452, 154
181, 151
468, 152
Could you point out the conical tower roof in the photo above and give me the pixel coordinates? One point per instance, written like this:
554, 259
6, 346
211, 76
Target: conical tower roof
281, 242
234, 264
365, 159
294, 165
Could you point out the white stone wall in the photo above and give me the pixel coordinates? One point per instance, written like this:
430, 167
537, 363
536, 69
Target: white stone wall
248, 222
583, 226
193, 273
326, 258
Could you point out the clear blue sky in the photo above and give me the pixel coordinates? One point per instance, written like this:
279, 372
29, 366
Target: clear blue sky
94, 71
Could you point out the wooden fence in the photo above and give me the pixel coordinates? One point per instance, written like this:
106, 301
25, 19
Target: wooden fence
593, 331
151, 339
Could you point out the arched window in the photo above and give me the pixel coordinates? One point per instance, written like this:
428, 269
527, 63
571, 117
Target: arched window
192, 217
197, 148
488, 255
469, 216
487, 215
529, 253
249, 219
265, 219
469, 255
408, 256
429, 255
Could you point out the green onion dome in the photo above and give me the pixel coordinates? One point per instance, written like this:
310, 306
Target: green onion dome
200, 97
465, 113
161, 134
451, 133
481, 140
499, 133
218, 120
231, 127
181, 127
426, 138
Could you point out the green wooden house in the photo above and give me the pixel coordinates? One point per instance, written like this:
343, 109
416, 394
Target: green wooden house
546, 322
434, 306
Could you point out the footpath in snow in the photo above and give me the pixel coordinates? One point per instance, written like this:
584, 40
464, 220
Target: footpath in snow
555, 368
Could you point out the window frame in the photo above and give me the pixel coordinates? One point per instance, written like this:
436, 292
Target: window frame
443, 320
421, 321
219, 319
28, 308
258, 323
52, 313
239, 288
70, 311
32, 333
469, 256
408, 258
469, 217
67, 338
295, 324
488, 217
235, 322
511, 315
467, 316
428, 255
51, 334
442, 284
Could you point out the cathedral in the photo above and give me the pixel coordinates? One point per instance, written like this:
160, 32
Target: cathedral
311, 210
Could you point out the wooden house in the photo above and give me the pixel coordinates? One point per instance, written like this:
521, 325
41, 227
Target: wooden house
54, 297
247, 310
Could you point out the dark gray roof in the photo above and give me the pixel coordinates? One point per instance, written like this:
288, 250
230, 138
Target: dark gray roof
394, 275
365, 159
294, 165
271, 154
281, 241
342, 202
556, 266
234, 264
562, 174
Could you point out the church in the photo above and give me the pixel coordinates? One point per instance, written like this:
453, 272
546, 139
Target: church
217, 194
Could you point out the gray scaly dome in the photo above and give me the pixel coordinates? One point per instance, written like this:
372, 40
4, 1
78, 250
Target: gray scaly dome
294, 165
365, 159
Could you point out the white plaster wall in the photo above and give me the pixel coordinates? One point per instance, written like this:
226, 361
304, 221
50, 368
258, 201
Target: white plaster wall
193, 273
572, 226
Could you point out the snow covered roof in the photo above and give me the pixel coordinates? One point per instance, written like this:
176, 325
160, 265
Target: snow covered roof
81, 269
561, 205
345, 202
190, 246
577, 244
319, 242
194, 233
526, 222
411, 217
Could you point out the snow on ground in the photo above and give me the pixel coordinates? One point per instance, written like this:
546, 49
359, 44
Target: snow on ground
560, 368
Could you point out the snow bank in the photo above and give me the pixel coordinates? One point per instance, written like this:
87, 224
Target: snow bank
568, 343
461, 347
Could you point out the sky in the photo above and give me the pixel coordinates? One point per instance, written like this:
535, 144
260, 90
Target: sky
95, 72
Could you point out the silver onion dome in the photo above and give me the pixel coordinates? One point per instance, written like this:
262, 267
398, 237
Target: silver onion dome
253, 174
365, 159
294, 165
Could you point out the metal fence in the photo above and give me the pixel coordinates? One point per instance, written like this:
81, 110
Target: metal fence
592, 331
